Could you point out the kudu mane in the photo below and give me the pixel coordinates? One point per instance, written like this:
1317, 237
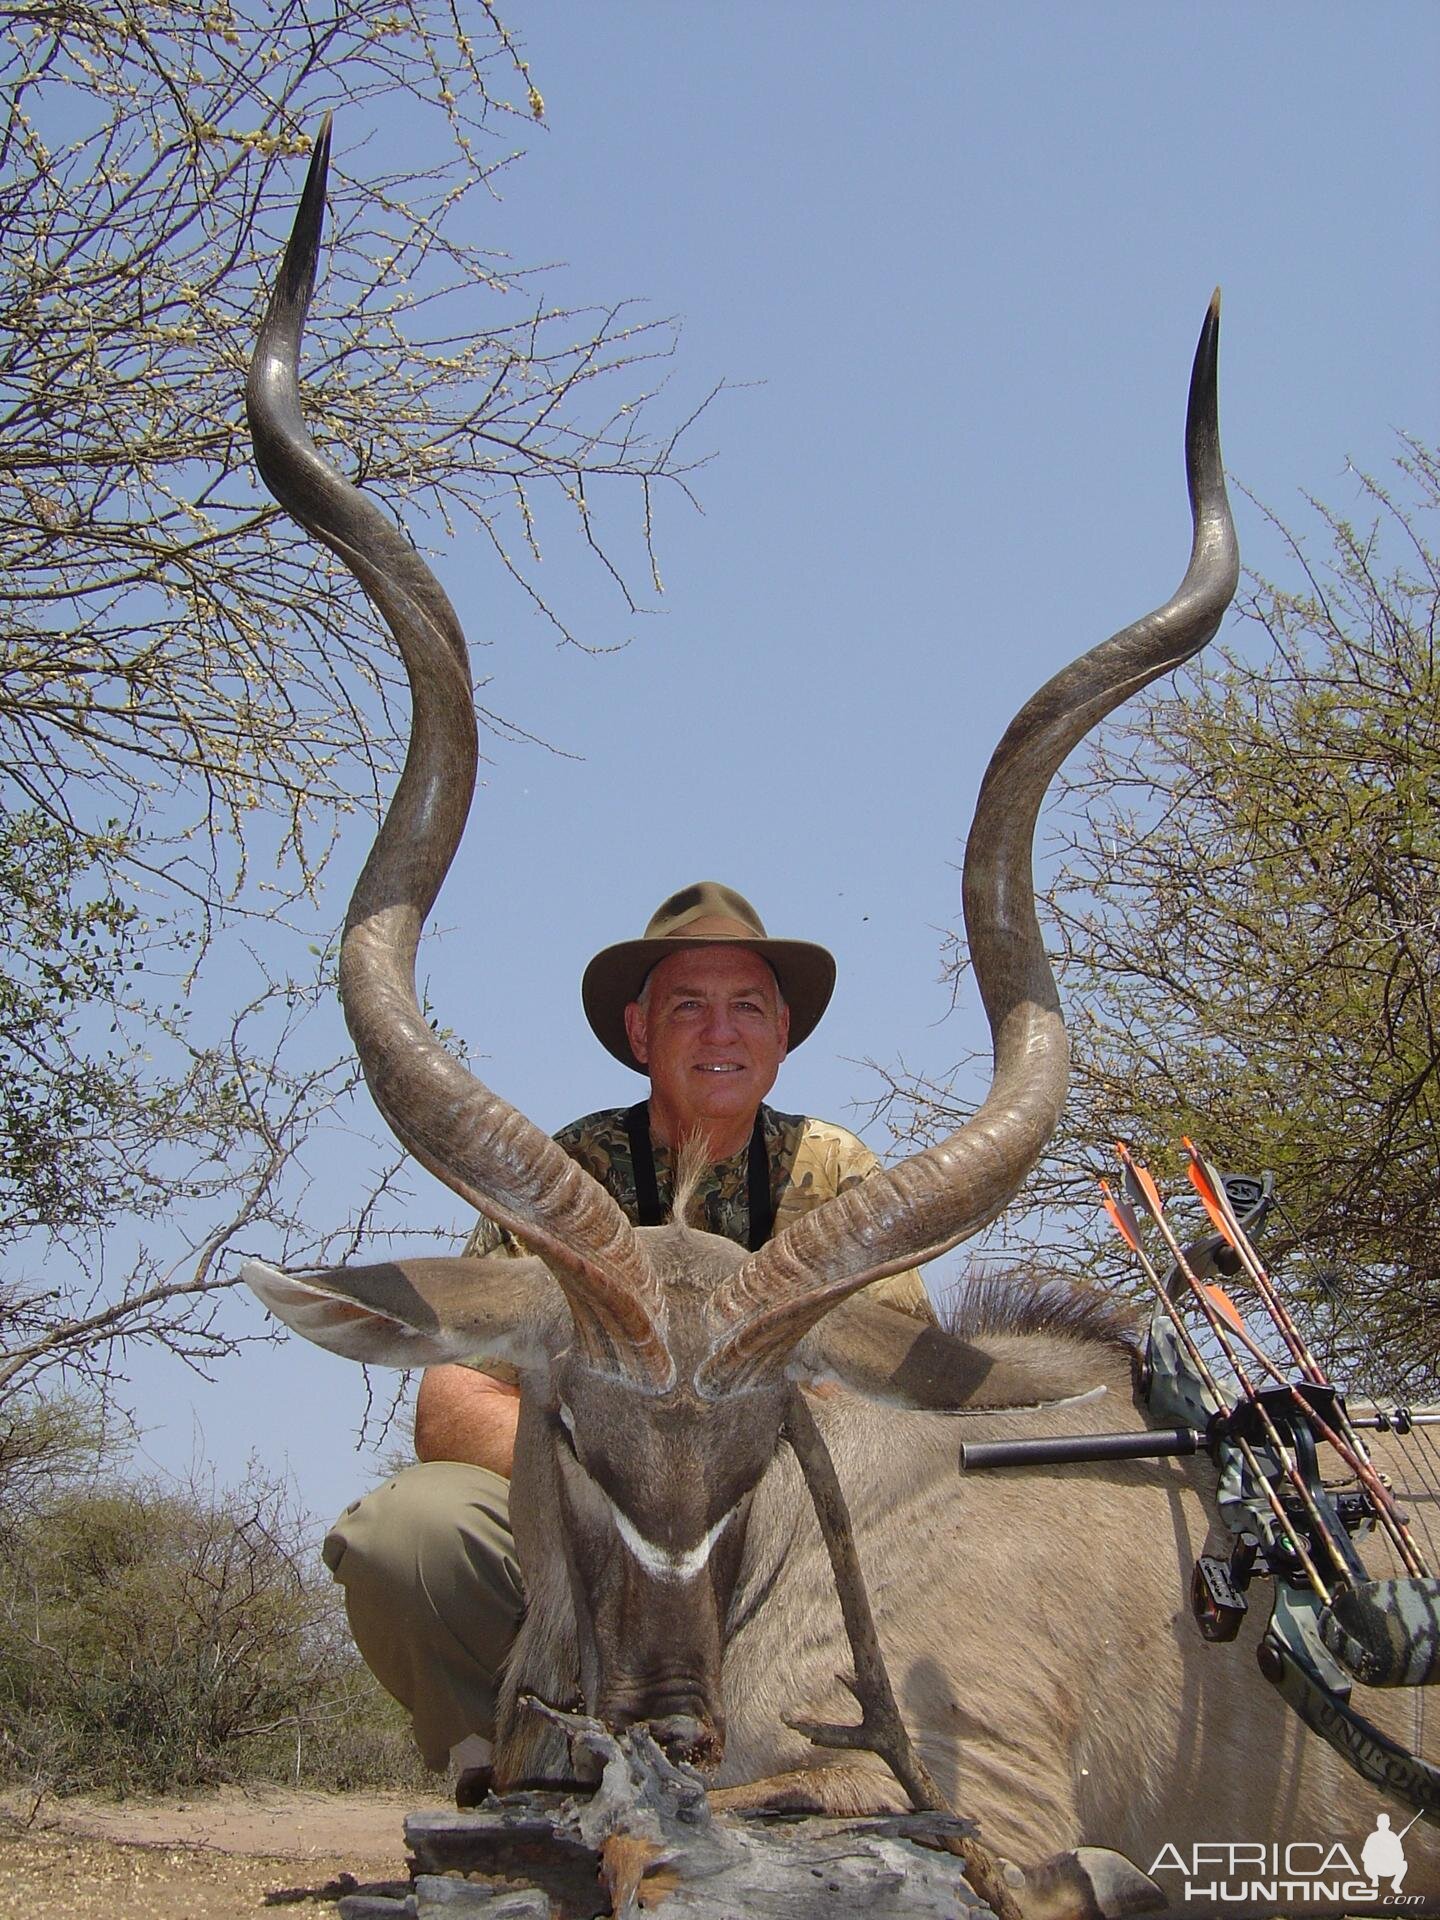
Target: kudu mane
1017, 1301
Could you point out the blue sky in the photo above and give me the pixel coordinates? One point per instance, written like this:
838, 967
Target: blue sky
952, 261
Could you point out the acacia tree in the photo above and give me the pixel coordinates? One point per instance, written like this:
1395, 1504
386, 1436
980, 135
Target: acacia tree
163, 629
1245, 919
190, 694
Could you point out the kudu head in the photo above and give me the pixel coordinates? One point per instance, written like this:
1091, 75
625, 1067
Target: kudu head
656, 1362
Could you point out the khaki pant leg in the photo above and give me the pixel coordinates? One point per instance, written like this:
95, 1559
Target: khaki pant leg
434, 1595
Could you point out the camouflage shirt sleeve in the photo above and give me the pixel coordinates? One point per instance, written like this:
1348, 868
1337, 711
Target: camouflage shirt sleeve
830, 1161
584, 1140
486, 1238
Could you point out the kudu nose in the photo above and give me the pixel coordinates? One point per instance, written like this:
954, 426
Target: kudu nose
683, 1729
682, 1736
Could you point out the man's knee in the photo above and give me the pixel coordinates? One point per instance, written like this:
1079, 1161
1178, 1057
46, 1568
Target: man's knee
433, 1594
439, 1529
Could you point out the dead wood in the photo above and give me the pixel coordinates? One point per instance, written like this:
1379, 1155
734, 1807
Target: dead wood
648, 1843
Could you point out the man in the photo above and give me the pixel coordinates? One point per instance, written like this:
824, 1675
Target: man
707, 1006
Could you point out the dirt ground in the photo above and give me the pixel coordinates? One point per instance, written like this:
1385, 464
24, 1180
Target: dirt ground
228, 1856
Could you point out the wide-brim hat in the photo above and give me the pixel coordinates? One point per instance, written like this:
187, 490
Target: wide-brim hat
703, 915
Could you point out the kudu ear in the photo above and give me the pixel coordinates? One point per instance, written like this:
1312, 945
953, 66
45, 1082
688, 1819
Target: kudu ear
891, 1357
888, 1356
413, 1313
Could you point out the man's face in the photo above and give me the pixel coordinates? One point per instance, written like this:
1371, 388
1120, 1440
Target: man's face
711, 1036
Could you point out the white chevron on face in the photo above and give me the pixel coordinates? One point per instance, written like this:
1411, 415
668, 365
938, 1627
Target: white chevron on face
661, 1561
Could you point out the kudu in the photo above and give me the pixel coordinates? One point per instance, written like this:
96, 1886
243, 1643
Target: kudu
1033, 1622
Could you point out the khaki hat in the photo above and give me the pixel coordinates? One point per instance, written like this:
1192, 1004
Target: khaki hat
703, 915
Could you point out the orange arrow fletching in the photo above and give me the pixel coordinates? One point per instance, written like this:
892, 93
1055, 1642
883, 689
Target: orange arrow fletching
1140, 1175
1203, 1182
1225, 1307
1126, 1225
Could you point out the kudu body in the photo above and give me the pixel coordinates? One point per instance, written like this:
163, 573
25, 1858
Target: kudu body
1033, 1623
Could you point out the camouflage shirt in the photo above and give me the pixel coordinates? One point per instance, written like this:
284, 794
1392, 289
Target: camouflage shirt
811, 1161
